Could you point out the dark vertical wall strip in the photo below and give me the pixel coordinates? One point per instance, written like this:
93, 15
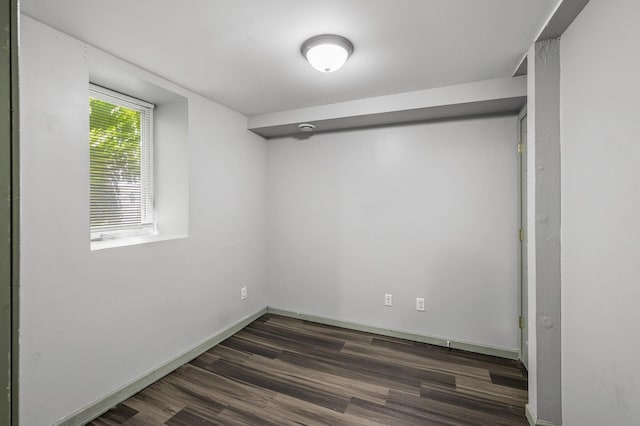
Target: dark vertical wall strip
5, 216
15, 209
8, 210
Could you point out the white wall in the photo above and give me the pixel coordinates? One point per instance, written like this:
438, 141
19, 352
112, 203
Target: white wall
424, 210
600, 225
92, 321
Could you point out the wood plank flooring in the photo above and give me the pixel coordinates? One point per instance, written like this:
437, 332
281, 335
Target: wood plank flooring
284, 371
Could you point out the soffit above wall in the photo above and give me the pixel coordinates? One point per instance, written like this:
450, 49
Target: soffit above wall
558, 22
496, 96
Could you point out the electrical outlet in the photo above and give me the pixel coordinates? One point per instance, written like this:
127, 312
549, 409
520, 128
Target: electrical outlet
243, 293
388, 300
419, 304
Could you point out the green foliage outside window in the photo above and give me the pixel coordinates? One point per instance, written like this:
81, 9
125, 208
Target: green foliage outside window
114, 136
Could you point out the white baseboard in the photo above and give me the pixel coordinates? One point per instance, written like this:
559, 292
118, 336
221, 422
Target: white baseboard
471, 347
102, 405
533, 420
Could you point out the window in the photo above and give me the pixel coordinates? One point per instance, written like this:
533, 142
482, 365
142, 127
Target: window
121, 165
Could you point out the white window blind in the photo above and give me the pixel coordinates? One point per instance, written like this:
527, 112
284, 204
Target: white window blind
121, 165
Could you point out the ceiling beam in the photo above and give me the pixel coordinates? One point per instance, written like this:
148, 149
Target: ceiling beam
564, 14
503, 95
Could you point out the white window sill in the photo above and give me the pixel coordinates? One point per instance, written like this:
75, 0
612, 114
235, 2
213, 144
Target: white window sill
132, 241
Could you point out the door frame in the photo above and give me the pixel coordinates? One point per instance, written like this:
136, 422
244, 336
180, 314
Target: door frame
9, 212
523, 281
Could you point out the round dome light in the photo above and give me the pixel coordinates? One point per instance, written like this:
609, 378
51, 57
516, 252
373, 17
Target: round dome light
327, 52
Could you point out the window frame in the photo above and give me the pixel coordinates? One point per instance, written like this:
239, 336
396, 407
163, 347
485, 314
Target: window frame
147, 207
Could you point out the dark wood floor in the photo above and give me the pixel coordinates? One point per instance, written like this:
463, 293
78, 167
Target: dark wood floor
281, 371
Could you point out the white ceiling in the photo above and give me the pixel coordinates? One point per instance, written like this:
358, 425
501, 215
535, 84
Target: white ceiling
245, 54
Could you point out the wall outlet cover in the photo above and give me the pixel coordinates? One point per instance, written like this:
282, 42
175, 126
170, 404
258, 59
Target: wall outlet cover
243, 293
388, 300
419, 304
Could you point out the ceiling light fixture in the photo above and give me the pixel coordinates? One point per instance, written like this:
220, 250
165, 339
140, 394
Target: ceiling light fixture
327, 52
